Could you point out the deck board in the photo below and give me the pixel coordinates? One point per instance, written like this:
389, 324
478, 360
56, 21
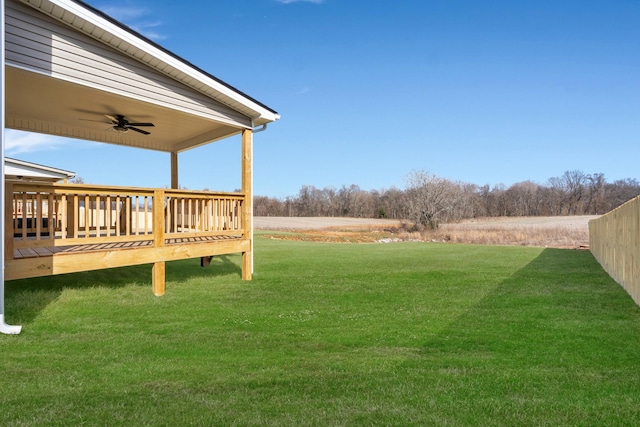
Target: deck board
43, 251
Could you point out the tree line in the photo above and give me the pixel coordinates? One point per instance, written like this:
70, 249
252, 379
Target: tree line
429, 200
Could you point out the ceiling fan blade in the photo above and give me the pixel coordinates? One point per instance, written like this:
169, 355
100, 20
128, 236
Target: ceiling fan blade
110, 117
144, 132
140, 124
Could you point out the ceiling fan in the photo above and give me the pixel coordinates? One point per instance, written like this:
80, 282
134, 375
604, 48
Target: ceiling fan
120, 124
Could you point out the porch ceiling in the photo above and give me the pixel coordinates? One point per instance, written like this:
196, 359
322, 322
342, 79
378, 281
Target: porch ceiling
44, 104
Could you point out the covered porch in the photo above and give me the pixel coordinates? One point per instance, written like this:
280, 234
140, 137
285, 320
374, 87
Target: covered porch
70, 70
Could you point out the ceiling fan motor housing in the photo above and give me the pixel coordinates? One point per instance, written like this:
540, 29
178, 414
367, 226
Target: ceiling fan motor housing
120, 124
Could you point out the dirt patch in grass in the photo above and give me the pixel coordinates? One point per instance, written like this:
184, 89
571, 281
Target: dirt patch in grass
319, 223
553, 232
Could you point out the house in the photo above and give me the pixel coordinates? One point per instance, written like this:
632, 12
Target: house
72, 71
19, 170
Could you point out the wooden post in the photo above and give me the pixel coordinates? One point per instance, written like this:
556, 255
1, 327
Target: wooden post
157, 278
174, 170
72, 221
247, 205
158, 270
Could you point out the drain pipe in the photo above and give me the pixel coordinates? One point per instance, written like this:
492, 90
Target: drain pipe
254, 130
260, 129
4, 328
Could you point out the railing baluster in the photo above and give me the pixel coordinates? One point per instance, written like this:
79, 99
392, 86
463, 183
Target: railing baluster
63, 217
234, 215
24, 216
137, 205
38, 215
225, 225
182, 213
87, 207
74, 215
16, 210
118, 209
52, 218
146, 203
107, 219
199, 214
127, 217
98, 212
175, 215
166, 219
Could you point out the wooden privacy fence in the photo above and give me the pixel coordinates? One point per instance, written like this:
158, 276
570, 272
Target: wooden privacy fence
614, 240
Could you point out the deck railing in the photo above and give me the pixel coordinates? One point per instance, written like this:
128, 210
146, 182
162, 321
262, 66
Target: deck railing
42, 214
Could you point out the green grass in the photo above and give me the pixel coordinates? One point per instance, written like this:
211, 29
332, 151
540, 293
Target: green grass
328, 334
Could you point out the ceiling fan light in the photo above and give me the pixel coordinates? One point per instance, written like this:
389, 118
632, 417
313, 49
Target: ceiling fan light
120, 129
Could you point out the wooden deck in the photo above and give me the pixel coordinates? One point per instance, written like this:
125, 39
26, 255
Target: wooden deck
62, 228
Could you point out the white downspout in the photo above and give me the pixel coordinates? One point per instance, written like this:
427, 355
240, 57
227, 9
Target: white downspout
253, 162
4, 328
260, 129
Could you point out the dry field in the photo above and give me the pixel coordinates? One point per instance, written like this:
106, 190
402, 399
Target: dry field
557, 232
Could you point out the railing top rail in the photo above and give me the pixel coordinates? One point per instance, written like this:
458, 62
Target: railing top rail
189, 193
105, 189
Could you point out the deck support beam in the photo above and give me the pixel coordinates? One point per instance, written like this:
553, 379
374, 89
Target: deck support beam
247, 205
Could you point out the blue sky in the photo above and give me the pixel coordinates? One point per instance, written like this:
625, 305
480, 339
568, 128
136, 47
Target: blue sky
486, 92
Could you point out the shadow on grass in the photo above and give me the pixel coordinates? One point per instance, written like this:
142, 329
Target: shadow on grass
25, 298
549, 309
553, 335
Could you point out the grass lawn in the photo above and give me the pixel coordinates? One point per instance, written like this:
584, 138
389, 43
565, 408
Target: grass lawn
328, 335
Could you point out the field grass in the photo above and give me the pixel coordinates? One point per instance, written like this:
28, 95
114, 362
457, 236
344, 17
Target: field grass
329, 334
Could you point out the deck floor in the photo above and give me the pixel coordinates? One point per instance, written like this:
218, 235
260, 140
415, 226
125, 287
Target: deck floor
53, 250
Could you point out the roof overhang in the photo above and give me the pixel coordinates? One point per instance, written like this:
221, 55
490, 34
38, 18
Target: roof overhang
27, 171
58, 104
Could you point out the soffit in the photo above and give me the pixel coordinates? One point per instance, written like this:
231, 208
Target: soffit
43, 104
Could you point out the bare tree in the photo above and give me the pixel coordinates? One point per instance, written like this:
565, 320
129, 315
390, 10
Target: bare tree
77, 180
621, 191
523, 199
430, 199
575, 184
494, 200
596, 196
472, 205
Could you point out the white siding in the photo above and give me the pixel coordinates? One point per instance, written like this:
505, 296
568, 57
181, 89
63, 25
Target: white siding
43, 45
